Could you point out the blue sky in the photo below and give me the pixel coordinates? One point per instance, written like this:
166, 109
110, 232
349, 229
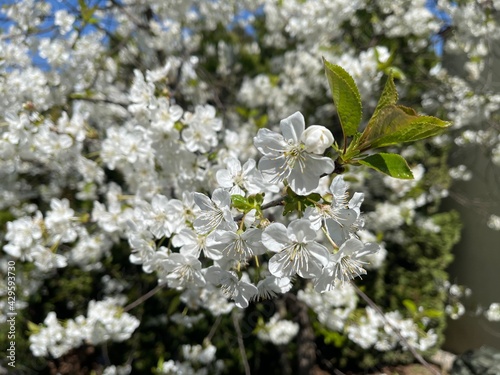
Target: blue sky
74, 6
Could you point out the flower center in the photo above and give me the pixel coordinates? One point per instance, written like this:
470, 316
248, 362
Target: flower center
294, 155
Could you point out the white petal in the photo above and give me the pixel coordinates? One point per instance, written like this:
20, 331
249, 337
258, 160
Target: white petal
292, 127
280, 266
310, 269
213, 274
233, 166
221, 198
337, 232
301, 230
319, 252
203, 202
246, 292
368, 249
351, 246
338, 187
275, 237
272, 167
302, 184
356, 200
248, 167
318, 165
269, 142
224, 178
236, 190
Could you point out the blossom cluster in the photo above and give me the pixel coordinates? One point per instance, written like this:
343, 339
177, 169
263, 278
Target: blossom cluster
104, 322
370, 329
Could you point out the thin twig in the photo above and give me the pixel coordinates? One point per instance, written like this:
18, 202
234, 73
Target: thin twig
144, 297
214, 328
241, 344
99, 101
374, 306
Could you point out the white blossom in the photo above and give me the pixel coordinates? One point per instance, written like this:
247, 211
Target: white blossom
286, 158
278, 331
493, 312
232, 287
346, 264
215, 213
296, 250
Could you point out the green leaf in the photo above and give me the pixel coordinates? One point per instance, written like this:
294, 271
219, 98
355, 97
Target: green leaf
33, 328
389, 96
345, 96
433, 313
393, 124
261, 121
87, 12
391, 164
410, 305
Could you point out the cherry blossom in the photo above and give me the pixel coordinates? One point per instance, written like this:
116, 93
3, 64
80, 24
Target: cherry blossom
286, 158
296, 250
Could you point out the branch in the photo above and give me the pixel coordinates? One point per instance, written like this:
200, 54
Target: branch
241, 344
214, 328
374, 306
144, 297
97, 100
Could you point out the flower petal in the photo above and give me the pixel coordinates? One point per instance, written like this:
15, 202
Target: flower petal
275, 237
301, 231
224, 178
269, 142
233, 166
292, 127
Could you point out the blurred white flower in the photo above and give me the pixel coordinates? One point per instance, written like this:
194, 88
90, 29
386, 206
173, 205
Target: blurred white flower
493, 312
278, 331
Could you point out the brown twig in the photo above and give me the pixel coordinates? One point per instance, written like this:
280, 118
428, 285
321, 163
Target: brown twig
144, 297
241, 344
214, 328
98, 100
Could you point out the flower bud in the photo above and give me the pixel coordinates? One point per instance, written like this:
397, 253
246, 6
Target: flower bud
317, 139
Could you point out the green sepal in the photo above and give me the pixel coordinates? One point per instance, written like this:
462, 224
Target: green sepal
298, 203
256, 200
240, 202
346, 97
391, 164
247, 204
